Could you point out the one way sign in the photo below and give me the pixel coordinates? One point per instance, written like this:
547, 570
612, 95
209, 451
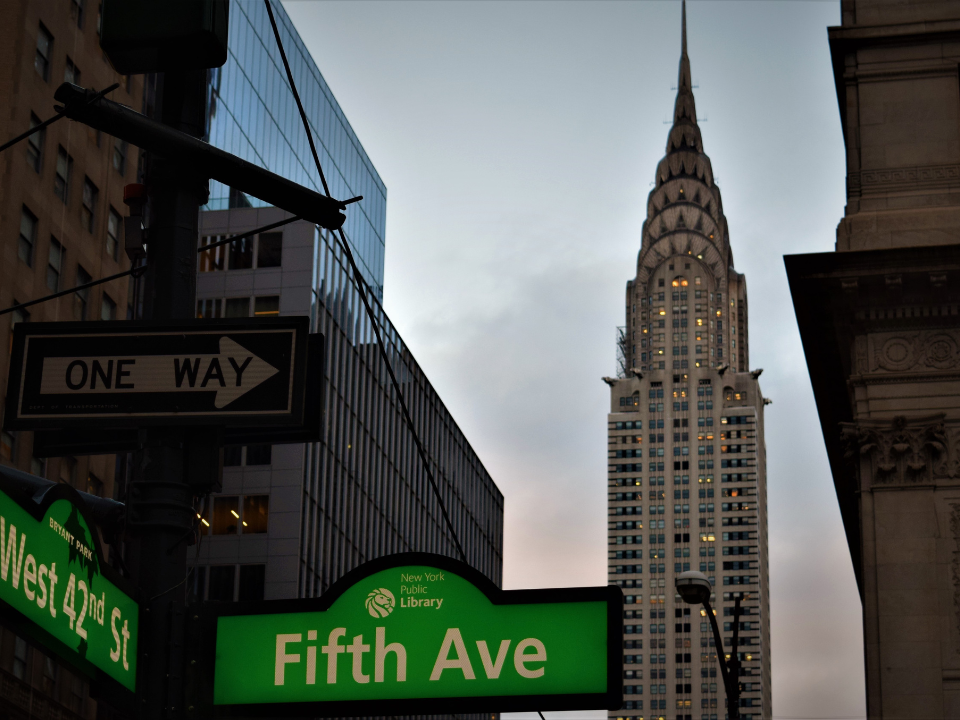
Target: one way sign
210, 372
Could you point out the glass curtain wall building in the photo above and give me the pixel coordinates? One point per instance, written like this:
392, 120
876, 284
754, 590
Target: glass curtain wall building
252, 114
292, 519
309, 513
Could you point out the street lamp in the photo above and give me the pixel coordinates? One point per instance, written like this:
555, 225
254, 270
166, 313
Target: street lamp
694, 588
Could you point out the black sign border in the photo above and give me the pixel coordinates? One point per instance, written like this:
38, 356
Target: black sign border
299, 323
612, 699
103, 687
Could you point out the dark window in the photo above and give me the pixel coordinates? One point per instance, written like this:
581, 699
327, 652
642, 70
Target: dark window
82, 296
259, 454
71, 73
20, 651
221, 582
120, 156
269, 250
266, 306
231, 455
237, 308
61, 181
76, 11
226, 517
197, 584
255, 512
108, 308
241, 254
113, 233
209, 308
54, 265
35, 144
41, 60
28, 235
251, 582
88, 209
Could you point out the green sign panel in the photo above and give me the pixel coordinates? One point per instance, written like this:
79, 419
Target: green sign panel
54, 585
418, 633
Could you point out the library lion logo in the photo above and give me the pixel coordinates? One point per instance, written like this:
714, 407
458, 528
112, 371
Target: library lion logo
380, 602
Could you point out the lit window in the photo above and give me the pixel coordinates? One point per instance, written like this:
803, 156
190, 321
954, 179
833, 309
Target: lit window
266, 306
226, 517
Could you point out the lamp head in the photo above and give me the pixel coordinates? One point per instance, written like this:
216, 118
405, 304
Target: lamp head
694, 587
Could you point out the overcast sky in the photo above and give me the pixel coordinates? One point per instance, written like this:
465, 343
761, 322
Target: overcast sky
518, 142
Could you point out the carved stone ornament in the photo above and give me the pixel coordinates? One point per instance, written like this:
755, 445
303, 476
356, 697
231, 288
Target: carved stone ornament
902, 451
914, 351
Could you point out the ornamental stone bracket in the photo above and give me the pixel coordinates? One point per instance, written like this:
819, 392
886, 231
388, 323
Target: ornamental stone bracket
903, 452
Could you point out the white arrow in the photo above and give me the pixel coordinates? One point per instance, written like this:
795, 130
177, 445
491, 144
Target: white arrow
232, 373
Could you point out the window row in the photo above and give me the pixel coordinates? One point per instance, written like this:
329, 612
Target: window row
228, 583
264, 250
241, 307
28, 239
233, 514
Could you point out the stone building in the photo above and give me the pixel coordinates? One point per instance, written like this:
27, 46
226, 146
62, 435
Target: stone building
61, 200
687, 462
880, 322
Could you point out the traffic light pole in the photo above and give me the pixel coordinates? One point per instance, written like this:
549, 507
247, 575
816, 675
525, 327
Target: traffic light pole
161, 516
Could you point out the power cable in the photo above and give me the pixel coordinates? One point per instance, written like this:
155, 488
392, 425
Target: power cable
361, 288
135, 271
58, 116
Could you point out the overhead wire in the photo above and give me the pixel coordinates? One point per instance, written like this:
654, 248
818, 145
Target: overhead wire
361, 288
135, 271
58, 116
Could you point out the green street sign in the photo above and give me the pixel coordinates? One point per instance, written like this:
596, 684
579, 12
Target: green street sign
416, 633
56, 588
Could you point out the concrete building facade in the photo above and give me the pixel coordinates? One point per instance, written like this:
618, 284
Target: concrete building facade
687, 462
880, 322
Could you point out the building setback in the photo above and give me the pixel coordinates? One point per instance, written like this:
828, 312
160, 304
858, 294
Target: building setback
880, 323
687, 462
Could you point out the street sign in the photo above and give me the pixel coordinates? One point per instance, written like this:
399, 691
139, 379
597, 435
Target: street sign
56, 588
240, 373
416, 633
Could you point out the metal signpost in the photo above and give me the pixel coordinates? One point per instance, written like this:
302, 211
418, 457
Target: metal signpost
414, 633
202, 372
56, 587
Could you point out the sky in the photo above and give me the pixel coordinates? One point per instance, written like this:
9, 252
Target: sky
518, 143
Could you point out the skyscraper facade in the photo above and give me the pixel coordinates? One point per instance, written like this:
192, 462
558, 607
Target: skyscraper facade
687, 463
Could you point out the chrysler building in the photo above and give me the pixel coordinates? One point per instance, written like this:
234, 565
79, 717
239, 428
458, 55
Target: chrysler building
687, 462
